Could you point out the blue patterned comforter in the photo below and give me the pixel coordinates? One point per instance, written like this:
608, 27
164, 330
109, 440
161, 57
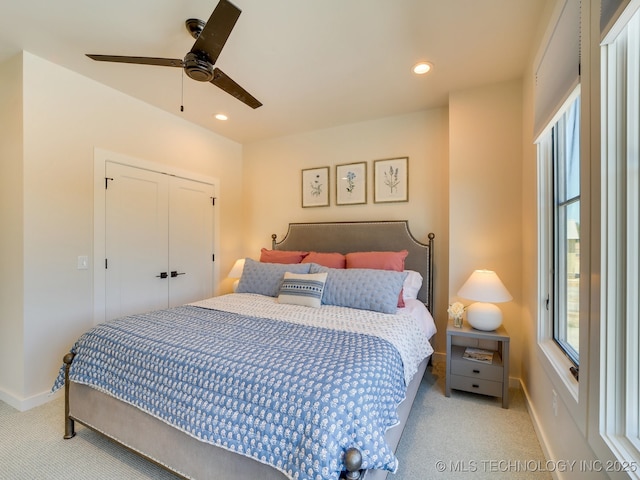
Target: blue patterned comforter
293, 396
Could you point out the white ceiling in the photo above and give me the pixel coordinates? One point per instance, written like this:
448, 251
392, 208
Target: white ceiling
313, 63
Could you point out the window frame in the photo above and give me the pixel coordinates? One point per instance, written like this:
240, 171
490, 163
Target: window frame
615, 423
561, 202
554, 361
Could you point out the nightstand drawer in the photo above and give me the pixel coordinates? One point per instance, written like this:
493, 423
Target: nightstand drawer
476, 385
469, 368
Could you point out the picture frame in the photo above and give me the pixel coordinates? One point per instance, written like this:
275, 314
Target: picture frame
315, 187
391, 180
351, 183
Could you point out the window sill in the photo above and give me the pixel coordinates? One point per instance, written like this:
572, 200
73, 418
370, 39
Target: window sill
557, 366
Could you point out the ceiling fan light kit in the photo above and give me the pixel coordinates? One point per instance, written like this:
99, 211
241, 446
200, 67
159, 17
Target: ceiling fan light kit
199, 62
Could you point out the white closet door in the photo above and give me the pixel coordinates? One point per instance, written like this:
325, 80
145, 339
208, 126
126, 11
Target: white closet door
190, 241
137, 213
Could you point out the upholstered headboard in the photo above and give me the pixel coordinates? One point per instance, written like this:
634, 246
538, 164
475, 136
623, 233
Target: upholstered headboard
345, 237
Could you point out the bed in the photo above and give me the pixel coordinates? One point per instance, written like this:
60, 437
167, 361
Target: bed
292, 391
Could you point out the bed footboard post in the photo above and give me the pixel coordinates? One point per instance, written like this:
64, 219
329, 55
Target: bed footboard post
69, 427
431, 259
353, 462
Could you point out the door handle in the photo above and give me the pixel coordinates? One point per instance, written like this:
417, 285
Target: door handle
162, 275
175, 274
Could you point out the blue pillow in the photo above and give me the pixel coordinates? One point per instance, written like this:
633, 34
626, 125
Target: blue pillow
362, 288
266, 278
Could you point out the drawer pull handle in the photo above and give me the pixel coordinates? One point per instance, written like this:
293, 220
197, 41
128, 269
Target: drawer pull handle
476, 371
475, 386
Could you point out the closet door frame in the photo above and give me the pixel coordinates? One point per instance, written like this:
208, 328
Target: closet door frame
100, 158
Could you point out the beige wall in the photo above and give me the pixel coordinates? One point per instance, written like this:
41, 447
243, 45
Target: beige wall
561, 435
485, 138
65, 116
11, 225
273, 185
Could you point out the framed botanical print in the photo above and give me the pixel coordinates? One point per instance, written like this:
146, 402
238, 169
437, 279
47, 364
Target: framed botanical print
391, 180
315, 187
351, 183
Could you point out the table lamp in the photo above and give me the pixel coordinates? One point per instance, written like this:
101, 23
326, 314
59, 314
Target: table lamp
486, 289
236, 272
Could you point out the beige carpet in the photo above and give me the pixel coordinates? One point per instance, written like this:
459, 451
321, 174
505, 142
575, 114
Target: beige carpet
464, 436
468, 436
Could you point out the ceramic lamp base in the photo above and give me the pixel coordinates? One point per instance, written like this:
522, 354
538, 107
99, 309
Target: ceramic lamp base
484, 316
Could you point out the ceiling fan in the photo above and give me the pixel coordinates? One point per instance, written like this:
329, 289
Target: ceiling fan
198, 63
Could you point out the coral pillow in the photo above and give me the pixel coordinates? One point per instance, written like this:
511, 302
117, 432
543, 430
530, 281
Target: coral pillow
378, 260
281, 256
331, 260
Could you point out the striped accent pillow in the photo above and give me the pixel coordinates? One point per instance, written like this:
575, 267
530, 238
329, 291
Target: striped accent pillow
302, 289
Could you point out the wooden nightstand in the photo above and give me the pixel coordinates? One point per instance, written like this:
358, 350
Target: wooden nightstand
477, 377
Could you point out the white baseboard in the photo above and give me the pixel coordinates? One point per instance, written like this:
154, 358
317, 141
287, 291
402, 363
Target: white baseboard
24, 404
542, 440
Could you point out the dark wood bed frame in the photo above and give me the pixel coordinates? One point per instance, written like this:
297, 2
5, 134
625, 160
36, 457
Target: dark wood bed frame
187, 457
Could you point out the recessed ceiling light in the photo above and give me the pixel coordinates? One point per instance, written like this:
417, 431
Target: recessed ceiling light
221, 116
422, 68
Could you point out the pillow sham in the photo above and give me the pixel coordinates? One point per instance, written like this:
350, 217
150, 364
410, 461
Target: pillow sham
302, 289
412, 285
331, 260
281, 256
361, 288
266, 278
381, 261
378, 260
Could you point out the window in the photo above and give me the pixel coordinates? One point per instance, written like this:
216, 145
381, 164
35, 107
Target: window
564, 298
559, 207
620, 306
561, 175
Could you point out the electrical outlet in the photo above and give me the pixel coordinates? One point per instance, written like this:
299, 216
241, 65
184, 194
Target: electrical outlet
554, 403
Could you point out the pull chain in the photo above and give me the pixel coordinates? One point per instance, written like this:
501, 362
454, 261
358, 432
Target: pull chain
182, 91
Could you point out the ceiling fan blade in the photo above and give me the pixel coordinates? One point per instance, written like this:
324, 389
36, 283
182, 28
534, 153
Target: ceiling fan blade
163, 62
217, 30
223, 81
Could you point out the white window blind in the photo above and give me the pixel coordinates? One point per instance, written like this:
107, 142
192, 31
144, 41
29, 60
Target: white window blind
558, 68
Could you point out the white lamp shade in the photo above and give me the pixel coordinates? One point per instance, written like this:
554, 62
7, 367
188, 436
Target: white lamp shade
485, 287
236, 270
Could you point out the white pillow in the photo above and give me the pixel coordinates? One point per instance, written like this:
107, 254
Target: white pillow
411, 285
302, 289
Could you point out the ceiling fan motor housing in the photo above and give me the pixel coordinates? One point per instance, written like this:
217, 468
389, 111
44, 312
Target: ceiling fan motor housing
198, 67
